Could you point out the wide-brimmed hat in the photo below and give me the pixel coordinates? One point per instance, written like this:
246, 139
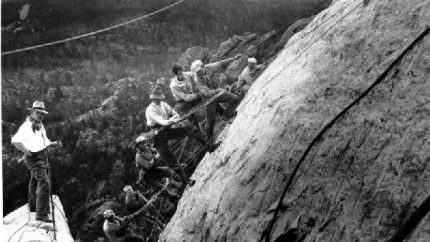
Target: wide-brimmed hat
39, 107
157, 93
196, 65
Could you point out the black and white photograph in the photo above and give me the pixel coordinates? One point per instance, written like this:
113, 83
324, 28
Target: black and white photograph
215, 120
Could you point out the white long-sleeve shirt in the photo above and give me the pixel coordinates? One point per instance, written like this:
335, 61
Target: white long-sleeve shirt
32, 141
159, 114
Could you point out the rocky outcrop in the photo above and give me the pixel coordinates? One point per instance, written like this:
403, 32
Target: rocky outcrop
20, 225
192, 54
370, 170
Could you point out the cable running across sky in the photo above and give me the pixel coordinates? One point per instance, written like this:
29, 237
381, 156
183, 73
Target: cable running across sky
92, 33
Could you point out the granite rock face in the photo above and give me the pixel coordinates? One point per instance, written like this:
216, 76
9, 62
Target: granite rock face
370, 170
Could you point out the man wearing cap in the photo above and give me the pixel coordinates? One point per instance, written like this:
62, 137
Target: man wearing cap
148, 162
31, 139
246, 78
208, 87
161, 117
116, 228
133, 199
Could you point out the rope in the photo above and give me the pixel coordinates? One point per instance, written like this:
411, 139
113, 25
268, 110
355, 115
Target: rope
92, 33
158, 212
268, 230
30, 230
149, 203
283, 28
28, 221
155, 131
325, 32
62, 214
52, 200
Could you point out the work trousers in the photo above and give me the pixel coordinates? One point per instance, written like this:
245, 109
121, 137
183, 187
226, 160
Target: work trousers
209, 111
38, 188
184, 107
153, 175
227, 97
161, 144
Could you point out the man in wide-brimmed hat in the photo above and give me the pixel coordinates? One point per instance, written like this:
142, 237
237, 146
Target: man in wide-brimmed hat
32, 140
161, 117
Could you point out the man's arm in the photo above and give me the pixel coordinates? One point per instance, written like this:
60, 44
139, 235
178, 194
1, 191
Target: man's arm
19, 138
142, 197
172, 113
157, 118
176, 91
204, 90
217, 66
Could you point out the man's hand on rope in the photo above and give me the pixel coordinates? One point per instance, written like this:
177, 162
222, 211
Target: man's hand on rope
218, 90
227, 88
237, 57
200, 95
56, 144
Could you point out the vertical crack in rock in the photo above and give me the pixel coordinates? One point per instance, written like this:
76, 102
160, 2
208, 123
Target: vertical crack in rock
370, 169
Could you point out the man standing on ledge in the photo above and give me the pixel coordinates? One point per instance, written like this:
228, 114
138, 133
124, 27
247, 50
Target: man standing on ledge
31, 139
161, 117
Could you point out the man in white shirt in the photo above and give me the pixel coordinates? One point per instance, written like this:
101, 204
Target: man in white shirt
247, 77
186, 94
32, 140
159, 114
209, 87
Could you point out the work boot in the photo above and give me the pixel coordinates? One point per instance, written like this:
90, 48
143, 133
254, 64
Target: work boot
44, 219
191, 182
212, 146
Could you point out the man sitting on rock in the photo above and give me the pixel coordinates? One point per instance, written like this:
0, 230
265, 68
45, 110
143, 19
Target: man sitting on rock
164, 122
116, 228
208, 87
247, 77
148, 161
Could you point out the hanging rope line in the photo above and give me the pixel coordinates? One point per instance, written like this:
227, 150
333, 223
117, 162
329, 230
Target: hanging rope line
268, 230
92, 33
320, 37
28, 221
283, 28
50, 171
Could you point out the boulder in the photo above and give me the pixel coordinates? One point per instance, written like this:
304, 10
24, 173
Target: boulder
192, 54
234, 45
236, 67
368, 172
